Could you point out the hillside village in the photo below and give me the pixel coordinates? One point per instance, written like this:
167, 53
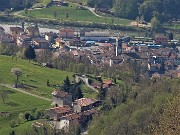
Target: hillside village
160, 53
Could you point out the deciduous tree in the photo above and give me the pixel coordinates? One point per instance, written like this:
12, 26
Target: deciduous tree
3, 95
17, 72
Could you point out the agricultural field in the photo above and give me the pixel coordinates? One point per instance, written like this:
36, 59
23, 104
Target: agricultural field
34, 76
173, 26
43, 1
15, 104
84, 2
72, 13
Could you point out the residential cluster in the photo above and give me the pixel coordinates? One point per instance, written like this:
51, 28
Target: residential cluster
67, 113
160, 53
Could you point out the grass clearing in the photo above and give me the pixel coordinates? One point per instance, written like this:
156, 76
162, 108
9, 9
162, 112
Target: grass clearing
84, 2
87, 92
34, 76
71, 13
16, 103
43, 1
172, 26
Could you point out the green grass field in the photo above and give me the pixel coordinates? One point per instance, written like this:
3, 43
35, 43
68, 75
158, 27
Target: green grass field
173, 26
84, 2
16, 103
43, 1
34, 76
73, 15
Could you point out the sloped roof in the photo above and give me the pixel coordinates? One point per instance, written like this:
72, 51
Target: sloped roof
66, 30
1, 28
16, 29
32, 28
85, 101
61, 109
23, 37
108, 82
97, 34
59, 93
89, 112
72, 116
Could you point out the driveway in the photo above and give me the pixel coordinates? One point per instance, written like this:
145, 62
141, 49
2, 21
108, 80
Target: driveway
22, 91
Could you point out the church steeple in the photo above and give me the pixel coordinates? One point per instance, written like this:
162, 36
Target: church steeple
118, 46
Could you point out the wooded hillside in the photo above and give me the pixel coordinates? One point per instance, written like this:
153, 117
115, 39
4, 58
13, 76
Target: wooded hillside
149, 107
16, 4
131, 9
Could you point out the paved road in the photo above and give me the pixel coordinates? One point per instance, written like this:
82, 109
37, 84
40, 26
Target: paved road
85, 80
92, 10
22, 91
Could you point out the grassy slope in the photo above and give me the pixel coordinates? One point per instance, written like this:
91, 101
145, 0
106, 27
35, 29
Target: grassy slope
36, 76
16, 103
43, 1
84, 2
74, 15
33, 75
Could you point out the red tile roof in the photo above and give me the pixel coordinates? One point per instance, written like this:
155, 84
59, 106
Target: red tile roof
61, 109
107, 45
88, 112
16, 29
66, 30
124, 46
72, 116
85, 101
108, 82
23, 37
32, 28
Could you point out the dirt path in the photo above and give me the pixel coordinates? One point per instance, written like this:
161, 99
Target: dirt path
92, 11
85, 80
19, 90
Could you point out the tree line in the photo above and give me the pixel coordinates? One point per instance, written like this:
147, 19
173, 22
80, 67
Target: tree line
16, 4
132, 9
150, 107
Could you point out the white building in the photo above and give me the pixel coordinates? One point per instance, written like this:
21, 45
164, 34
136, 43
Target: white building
96, 36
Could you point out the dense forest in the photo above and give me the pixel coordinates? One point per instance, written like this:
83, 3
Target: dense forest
145, 9
149, 107
15, 4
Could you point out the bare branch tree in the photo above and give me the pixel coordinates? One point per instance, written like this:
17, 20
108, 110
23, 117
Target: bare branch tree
3, 94
17, 72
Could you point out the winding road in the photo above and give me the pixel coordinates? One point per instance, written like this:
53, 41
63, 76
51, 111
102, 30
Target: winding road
22, 91
92, 10
85, 80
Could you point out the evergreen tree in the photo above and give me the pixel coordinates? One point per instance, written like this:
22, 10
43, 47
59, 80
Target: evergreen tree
170, 36
66, 85
101, 94
77, 94
30, 53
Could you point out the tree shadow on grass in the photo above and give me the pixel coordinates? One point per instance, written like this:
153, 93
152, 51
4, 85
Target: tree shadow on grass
10, 92
12, 104
37, 64
31, 86
33, 81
